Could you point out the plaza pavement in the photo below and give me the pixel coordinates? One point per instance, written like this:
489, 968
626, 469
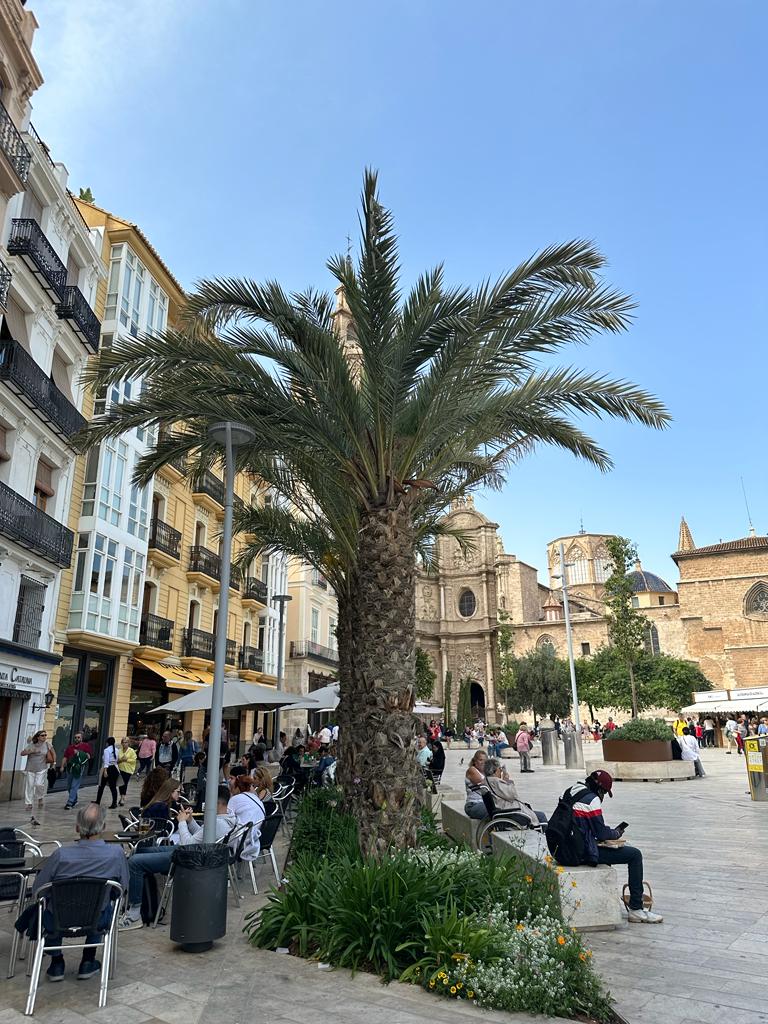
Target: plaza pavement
706, 851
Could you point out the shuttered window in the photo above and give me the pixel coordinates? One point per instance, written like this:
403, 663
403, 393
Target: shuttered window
29, 612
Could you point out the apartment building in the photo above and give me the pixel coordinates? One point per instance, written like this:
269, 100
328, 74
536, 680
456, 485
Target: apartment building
50, 269
311, 620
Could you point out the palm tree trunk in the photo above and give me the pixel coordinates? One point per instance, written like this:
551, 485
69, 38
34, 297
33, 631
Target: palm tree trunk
377, 766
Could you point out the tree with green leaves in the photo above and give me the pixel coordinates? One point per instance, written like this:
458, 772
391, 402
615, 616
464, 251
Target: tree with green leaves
425, 675
627, 627
86, 195
369, 425
505, 679
464, 705
661, 681
447, 713
541, 682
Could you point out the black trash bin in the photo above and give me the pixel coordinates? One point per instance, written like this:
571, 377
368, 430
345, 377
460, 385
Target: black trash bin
199, 907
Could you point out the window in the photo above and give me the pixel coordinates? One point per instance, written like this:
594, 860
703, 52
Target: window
137, 512
4, 450
602, 565
467, 604
157, 308
546, 643
652, 639
91, 476
661, 600
129, 609
29, 612
333, 642
635, 601
113, 475
314, 629
80, 560
116, 255
756, 601
43, 484
585, 650
91, 604
131, 292
578, 566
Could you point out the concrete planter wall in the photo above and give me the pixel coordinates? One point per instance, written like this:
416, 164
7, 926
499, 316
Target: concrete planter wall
629, 750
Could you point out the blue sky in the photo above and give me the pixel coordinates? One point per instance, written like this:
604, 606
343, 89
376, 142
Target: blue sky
235, 133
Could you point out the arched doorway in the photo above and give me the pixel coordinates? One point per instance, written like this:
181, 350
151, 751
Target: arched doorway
477, 700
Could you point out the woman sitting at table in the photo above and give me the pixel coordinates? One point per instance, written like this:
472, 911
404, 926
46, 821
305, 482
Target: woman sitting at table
505, 795
165, 802
325, 762
263, 787
152, 784
249, 810
290, 763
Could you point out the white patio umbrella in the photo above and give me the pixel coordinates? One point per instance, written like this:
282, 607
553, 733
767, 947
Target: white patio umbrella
237, 694
324, 699
422, 708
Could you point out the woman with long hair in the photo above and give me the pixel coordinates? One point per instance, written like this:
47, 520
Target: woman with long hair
152, 784
126, 765
164, 802
109, 772
475, 785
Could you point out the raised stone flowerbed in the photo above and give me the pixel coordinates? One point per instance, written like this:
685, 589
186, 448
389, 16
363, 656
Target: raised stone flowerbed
644, 771
634, 750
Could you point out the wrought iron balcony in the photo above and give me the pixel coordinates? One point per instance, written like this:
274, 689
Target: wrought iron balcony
28, 241
34, 529
156, 632
12, 145
210, 485
5, 284
74, 307
25, 378
254, 589
198, 644
165, 538
204, 561
319, 580
251, 659
309, 649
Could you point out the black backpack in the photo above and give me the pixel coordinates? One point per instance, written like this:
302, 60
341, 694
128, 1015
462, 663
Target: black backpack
564, 838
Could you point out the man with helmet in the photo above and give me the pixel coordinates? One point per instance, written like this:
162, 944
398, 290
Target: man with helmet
587, 799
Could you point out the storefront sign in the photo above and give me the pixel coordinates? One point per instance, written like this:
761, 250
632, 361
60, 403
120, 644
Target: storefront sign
13, 693
754, 761
706, 696
14, 677
756, 693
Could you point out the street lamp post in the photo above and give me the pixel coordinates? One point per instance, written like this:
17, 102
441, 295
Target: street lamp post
230, 435
281, 600
571, 664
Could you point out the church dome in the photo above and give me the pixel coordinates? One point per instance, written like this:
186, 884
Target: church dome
647, 582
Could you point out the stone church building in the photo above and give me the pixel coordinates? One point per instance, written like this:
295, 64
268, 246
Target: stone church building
715, 615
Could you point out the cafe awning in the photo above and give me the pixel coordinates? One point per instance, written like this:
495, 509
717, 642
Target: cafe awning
175, 678
204, 677
237, 694
740, 706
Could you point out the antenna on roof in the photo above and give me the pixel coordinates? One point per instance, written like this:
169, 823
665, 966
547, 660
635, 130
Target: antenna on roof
746, 504
581, 522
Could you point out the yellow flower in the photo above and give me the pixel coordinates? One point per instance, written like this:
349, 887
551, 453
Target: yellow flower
445, 981
574, 885
561, 940
458, 984
458, 956
441, 974
548, 859
582, 957
453, 990
521, 927
529, 878
589, 952
470, 993
559, 870
432, 983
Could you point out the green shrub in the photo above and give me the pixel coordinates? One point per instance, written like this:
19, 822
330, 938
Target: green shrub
322, 828
640, 730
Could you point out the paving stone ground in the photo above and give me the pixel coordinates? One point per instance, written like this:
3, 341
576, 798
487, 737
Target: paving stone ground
706, 850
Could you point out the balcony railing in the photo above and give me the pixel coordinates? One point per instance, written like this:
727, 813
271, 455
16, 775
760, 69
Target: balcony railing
204, 561
5, 284
197, 644
74, 307
309, 649
251, 659
254, 589
34, 529
22, 374
164, 538
156, 632
27, 240
12, 144
210, 485
320, 581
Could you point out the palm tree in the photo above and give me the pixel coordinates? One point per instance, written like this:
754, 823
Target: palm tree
370, 436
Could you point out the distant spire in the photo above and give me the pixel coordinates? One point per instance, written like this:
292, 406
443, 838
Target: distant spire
581, 523
746, 505
638, 565
685, 540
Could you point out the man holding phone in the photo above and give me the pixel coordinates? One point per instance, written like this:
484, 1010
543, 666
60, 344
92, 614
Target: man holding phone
587, 801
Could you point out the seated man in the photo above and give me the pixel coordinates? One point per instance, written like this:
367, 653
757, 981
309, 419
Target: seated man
89, 858
158, 860
587, 799
423, 753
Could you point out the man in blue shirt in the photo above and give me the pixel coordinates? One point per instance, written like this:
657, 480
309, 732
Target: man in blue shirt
91, 857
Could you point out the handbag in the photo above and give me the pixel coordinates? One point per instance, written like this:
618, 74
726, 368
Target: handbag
50, 757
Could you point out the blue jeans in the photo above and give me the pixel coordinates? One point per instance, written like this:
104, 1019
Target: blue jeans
154, 862
73, 789
632, 857
55, 940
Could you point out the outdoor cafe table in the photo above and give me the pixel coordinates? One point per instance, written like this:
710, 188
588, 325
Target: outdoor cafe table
30, 867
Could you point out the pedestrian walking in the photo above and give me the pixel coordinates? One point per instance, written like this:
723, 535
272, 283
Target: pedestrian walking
522, 744
709, 732
110, 773
75, 761
146, 754
39, 754
126, 765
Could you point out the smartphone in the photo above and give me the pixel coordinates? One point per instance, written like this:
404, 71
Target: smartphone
622, 826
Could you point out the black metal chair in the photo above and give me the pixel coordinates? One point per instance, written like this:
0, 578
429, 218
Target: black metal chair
76, 906
267, 835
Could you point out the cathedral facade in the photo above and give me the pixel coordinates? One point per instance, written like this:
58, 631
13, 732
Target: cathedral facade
716, 615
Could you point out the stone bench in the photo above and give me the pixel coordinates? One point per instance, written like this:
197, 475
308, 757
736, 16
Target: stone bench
457, 824
644, 771
592, 905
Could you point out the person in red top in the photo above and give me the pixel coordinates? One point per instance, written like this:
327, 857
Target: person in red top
609, 726
75, 762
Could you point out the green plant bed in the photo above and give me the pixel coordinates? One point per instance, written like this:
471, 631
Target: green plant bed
642, 730
458, 923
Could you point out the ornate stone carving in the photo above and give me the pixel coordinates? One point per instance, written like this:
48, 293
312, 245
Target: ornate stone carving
470, 664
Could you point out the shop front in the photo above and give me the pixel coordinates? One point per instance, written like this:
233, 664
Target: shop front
24, 683
154, 684
83, 705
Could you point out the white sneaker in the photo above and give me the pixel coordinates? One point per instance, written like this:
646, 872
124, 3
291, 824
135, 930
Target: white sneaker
128, 924
643, 917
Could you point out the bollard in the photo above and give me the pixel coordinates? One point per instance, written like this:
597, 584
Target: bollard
548, 738
574, 757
